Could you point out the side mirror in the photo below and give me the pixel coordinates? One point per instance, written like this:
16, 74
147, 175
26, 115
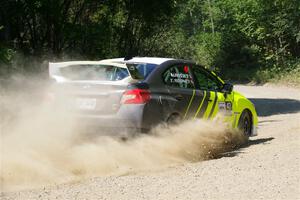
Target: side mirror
227, 88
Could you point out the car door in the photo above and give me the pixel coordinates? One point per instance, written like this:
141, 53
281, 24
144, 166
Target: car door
179, 83
217, 101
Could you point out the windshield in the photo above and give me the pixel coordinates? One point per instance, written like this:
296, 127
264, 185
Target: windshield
94, 72
140, 70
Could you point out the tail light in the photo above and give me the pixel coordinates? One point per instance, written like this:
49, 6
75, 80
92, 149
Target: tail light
136, 96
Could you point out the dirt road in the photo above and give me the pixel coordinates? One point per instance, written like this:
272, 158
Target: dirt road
268, 167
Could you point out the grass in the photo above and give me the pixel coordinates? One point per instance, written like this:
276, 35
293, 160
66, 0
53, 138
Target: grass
289, 76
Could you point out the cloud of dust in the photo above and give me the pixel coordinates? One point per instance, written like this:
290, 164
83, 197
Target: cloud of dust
41, 146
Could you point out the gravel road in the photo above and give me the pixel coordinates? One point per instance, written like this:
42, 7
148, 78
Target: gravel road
268, 167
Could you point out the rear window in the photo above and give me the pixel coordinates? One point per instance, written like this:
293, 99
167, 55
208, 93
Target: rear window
94, 72
140, 70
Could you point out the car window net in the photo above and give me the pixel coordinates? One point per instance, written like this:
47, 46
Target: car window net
205, 81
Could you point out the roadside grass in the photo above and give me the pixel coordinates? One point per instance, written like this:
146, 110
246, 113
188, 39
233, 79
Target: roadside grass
289, 76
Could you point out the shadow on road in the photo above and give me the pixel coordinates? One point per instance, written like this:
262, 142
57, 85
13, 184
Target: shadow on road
238, 150
257, 141
268, 107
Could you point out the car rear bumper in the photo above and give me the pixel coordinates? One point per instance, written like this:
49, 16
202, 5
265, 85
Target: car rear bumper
110, 121
129, 118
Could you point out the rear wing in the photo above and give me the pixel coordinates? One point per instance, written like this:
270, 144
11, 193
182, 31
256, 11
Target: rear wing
55, 68
57, 72
54, 71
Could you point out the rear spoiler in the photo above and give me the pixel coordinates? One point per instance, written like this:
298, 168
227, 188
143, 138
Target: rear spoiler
54, 68
54, 71
56, 74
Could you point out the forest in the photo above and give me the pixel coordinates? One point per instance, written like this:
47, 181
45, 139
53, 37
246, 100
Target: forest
249, 40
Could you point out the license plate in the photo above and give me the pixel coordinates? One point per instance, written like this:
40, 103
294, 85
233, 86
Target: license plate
86, 103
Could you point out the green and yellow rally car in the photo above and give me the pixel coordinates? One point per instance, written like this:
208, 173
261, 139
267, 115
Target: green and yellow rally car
142, 92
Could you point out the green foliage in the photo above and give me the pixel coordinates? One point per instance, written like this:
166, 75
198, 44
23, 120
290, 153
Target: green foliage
272, 26
6, 54
256, 37
207, 48
289, 75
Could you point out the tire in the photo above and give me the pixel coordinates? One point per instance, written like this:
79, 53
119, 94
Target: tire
174, 119
245, 123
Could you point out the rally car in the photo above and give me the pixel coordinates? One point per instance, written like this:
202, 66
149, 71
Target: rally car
141, 92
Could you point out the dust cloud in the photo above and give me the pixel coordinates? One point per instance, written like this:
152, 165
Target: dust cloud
41, 145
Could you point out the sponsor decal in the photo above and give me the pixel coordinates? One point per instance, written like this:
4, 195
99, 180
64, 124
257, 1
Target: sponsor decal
181, 78
225, 107
228, 105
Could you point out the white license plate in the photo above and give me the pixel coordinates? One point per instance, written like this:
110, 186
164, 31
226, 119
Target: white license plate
86, 103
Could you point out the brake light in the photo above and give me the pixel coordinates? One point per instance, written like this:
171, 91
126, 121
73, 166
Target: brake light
136, 96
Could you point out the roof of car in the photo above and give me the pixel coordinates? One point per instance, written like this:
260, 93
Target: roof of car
118, 62
150, 60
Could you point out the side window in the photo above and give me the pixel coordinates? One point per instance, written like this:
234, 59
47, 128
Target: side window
179, 76
205, 81
120, 73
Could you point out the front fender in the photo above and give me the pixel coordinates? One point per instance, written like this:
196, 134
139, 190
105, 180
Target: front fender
241, 103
